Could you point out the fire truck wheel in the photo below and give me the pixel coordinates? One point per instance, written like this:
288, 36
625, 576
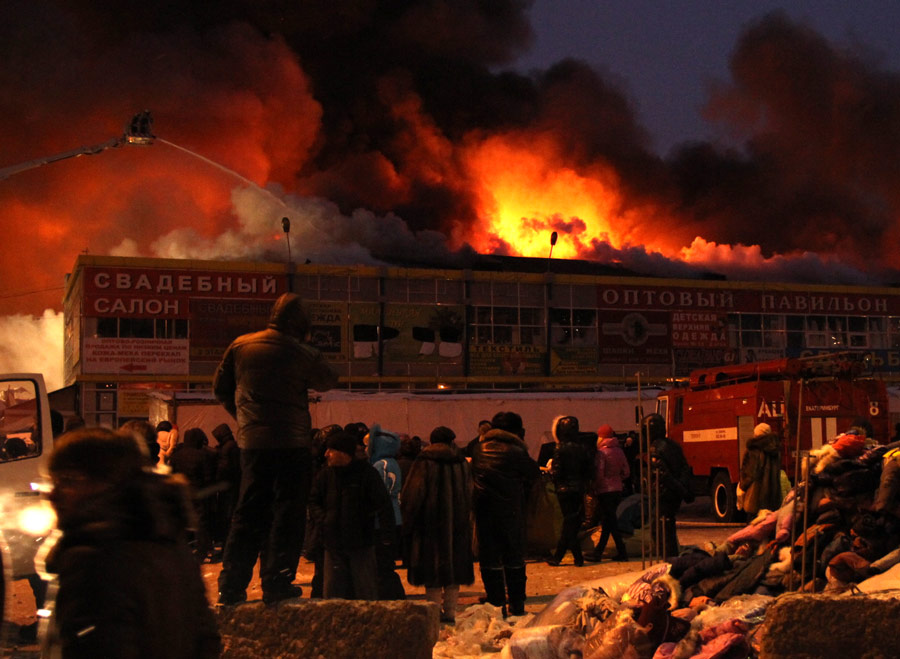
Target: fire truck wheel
723, 498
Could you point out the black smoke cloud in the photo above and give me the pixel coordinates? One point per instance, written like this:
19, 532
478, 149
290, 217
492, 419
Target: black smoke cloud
366, 104
818, 172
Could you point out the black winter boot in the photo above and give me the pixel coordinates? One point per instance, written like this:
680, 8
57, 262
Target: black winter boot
493, 586
515, 588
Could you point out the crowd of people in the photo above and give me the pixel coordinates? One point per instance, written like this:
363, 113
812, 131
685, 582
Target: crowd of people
142, 507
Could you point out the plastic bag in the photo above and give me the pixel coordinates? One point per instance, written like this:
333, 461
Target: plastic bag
562, 610
479, 629
548, 642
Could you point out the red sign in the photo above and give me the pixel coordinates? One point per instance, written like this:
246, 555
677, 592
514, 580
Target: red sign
722, 299
164, 293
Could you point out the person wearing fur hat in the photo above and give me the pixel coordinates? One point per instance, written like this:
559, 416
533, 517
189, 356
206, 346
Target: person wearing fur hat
760, 485
347, 503
571, 471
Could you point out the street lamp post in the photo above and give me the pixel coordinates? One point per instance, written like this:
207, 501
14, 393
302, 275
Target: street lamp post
286, 225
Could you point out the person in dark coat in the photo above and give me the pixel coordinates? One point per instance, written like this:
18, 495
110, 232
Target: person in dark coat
760, 483
410, 447
572, 470
436, 504
228, 476
128, 583
483, 426
146, 435
631, 449
347, 502
502, 474
313, 548
263, 381
667, 462
192, 459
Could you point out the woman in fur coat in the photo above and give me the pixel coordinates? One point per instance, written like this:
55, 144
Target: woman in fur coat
436, 503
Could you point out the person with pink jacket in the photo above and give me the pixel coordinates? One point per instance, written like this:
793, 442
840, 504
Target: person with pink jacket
609, 482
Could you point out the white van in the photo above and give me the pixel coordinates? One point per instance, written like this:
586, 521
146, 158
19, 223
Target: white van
26, 441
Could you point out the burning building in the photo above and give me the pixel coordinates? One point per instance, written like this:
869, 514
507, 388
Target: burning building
135, 325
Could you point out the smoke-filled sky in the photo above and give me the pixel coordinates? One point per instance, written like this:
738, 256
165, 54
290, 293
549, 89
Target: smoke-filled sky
672, 138
666, 55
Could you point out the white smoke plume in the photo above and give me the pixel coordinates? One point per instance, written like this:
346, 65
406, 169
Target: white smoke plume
33, 344
319, 232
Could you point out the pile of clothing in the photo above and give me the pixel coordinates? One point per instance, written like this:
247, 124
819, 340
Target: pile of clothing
640, 615
838, 527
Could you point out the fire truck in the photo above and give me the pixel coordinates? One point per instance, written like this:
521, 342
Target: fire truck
807, 401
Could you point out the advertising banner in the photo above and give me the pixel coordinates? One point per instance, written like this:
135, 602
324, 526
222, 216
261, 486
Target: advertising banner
328, 328
136, 356
492, 359
577, 360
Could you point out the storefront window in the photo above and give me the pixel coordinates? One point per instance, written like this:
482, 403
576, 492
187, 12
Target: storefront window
508, 325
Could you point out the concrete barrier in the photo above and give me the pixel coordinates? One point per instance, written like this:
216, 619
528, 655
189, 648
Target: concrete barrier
799, 626
331, 629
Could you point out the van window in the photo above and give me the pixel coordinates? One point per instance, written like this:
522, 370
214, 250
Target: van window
662, 407
20, 426
678, 414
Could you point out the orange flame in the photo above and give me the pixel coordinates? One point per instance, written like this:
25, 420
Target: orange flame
525, 192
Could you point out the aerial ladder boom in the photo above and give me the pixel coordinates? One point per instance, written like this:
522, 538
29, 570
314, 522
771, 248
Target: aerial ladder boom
138, 131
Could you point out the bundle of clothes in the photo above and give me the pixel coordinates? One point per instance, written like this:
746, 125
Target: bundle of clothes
838, 527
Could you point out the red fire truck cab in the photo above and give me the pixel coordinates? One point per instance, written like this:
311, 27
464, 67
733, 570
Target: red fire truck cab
714, 415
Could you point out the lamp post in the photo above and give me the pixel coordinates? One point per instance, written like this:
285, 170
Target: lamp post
548, 325
286, 225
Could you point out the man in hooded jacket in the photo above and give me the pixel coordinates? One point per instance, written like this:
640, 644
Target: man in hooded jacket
263, 381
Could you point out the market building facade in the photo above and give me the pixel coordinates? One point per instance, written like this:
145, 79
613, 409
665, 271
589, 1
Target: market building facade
135, 325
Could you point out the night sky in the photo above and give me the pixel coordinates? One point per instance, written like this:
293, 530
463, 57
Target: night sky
667, 53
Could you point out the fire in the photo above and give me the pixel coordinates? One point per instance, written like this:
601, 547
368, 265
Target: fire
525, 192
